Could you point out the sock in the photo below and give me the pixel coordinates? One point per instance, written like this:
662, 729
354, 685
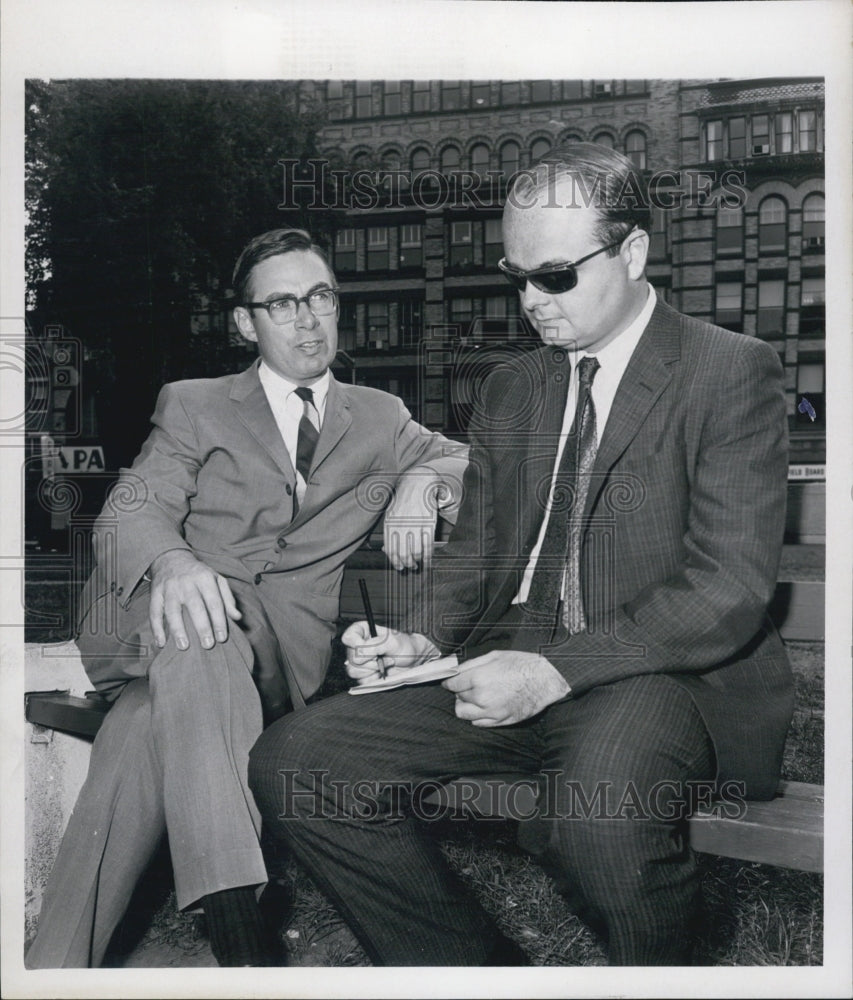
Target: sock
237, 933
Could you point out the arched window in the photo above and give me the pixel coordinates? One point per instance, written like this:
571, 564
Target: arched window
480, 159
729, 230
814, 224
604, 139
635, 148
539, 149
510, 157
772, 224
450, 159
420, 161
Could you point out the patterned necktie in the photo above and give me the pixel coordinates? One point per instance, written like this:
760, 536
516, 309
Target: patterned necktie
308, 433
559, 557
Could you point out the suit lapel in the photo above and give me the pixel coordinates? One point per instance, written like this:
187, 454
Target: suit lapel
254, 411
336, 422
643, 381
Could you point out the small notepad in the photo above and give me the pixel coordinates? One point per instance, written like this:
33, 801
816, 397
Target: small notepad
434, 670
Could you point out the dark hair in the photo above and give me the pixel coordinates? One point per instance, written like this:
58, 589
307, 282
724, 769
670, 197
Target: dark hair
271, 244
603, 178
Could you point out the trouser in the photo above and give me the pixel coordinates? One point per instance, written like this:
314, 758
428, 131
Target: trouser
171, 755
340, 783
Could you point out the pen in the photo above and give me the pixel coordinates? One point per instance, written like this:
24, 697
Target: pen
371, 623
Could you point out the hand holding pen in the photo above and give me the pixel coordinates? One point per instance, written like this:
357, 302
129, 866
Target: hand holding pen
371, 623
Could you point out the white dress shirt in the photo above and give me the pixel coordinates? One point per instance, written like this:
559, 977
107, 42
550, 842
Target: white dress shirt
287, 408
613, 360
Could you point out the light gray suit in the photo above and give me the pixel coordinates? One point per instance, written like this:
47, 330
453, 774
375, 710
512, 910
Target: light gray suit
213, 477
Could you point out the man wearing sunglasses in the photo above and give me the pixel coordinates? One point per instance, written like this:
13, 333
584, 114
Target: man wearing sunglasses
604, 592
220, 557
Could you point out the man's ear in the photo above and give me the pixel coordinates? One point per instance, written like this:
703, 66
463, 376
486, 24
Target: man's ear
638, 251
243, 319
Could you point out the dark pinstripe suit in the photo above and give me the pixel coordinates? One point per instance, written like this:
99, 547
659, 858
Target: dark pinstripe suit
679, 668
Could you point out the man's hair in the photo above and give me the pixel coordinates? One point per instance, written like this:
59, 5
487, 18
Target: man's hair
601, 178
271, 244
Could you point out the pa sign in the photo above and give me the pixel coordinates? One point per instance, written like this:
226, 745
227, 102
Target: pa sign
84, 458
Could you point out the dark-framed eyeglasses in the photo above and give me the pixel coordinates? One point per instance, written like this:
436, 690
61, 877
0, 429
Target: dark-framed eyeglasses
555, 278
322, 302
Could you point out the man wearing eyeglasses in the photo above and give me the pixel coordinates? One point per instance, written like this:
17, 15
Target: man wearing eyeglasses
604, 592
220, 556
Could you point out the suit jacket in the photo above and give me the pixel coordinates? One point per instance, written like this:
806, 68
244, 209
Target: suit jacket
683, 526
215, 477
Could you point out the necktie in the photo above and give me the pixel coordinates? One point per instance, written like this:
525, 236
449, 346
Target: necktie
559, 557
308, 433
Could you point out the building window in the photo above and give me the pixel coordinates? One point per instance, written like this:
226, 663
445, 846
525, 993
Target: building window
461, 244
377, 325
450, 159
714, 140
540, 148
480, 159
813, 222
760, 135
420, 95
540, 90
510, 92
335, 99
635, 87
771, 308
363, 99
811, 376
813, 307
807, 131
604, 139
347, 336
378, 257
345, 250
420, 161
451, 95
510, 157
635, 148
572, 90
729, 305
411, 246
494, 246
772, 225
392, 98
737, 138
461, 311
657, 237
784, 132
481, 94
411, 321
602, 88
729, 230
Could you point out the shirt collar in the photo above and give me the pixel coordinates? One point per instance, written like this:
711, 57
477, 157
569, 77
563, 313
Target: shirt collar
620, 349
283, 387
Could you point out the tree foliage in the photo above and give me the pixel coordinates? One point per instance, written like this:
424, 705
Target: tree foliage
140, 194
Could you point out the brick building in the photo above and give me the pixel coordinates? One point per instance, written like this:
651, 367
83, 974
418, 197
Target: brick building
418, 169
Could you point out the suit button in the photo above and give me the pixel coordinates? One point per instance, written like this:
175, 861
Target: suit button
281, 543
288, 489
258, 578
120, 591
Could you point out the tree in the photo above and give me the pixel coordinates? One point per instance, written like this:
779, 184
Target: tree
140, 195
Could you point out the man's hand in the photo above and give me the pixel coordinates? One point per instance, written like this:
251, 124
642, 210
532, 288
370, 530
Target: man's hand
411, 518
179, 581
398, 649
504, 687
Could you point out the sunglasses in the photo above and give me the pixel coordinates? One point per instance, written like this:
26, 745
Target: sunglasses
555, 278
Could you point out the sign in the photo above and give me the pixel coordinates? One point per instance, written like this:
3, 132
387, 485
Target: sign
66, 459
807, 472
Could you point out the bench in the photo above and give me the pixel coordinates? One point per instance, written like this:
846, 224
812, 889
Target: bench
786, 831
